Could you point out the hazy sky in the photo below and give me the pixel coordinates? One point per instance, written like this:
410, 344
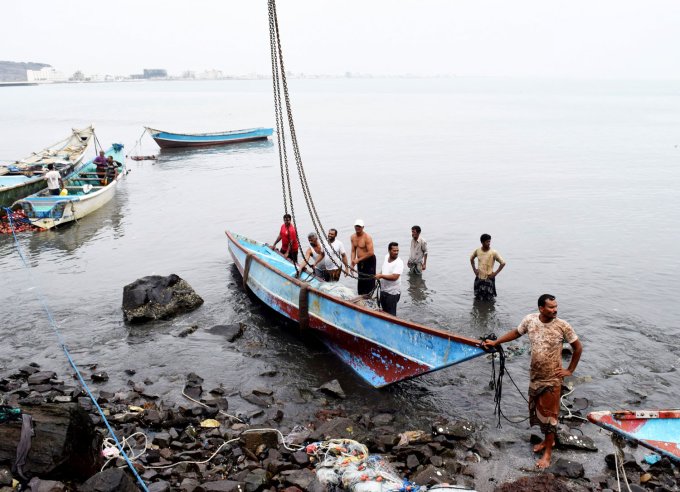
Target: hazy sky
575, 38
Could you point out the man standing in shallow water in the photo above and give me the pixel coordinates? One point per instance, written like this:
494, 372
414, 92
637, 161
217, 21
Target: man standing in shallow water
485, 277
546, 333
363, 257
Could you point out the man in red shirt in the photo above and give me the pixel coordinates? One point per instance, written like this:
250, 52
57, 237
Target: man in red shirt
289, 240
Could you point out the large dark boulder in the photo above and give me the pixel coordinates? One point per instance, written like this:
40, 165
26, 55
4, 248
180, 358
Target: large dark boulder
64, 445
157, 297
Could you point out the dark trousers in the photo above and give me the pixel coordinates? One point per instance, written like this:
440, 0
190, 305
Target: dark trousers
366, 282
55, 191
388, 302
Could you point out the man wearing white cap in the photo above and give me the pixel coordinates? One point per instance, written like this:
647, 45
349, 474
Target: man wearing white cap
363, 257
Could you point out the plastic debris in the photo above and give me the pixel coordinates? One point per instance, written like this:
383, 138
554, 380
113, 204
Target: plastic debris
210, 423
652, 458
346, 465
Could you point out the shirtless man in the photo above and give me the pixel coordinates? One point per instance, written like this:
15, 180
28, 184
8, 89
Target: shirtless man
363, 258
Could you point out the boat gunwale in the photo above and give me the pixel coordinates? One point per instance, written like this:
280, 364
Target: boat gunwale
392, 319
208, 134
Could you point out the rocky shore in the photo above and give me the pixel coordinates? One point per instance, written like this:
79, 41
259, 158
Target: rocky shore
198, 445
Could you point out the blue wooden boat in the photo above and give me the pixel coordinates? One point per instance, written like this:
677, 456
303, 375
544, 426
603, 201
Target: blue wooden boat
27, 176
658, 430
86, 192
167, 140
381, 348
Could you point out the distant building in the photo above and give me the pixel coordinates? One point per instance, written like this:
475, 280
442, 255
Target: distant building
47, 74
210, 75
155, 73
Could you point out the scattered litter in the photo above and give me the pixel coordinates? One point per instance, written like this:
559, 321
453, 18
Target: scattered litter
210, 423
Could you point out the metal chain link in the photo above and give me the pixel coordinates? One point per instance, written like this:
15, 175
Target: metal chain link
281, 84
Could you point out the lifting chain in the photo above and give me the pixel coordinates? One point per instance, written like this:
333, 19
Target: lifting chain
280, 84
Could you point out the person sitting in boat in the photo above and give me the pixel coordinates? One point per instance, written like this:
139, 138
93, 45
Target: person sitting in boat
100, 162
289, 241
314, 255
54, 181
111, 170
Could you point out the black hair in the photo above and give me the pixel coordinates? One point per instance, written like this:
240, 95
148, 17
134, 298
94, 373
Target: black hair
484, 237
287, 216
544, 298
389, 246
416, 228
334, 230
50, 166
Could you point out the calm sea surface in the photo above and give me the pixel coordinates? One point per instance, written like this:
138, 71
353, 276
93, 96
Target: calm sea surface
576, 181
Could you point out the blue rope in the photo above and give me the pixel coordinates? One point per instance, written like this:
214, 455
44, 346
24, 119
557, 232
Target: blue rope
42, 300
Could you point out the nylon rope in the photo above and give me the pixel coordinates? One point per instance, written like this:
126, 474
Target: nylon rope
41, 298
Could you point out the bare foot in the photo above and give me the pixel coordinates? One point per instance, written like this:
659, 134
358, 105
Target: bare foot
539, 447
544, 462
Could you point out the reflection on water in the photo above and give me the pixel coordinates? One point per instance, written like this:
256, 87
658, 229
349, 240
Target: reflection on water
417, 289
483, 316
73, 235
180, 154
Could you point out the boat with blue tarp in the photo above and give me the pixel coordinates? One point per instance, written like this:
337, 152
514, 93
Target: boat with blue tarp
27, 176
86, 191
379, 347
166, 140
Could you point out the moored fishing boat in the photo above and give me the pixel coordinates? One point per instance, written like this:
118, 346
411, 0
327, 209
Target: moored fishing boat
658, 430
86, 192
167, 140
26, 176
381, 348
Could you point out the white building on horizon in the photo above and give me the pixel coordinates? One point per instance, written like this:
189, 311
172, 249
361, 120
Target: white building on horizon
46, 74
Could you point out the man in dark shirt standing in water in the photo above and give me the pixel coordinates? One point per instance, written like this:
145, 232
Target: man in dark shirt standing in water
363, 257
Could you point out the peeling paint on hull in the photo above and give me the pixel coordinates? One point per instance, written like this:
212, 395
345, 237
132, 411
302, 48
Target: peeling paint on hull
380, 348
658, 430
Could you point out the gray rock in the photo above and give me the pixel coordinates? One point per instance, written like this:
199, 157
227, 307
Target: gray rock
5, 476
230, 332
566, 468
156, 297
162, 439
42, 377
224, 486
37, 485
412, 461
332, 388
460, 429
256, 479
160, 486
430, 476
300, 458
188, 485
337, 428
383, 419
255, 400
110, 480
300, 478
254, 439
567, 440
100, 377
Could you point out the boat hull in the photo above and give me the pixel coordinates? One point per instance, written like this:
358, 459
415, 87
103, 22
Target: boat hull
380, 348
15, 187
47, 211
169, 140
658, 430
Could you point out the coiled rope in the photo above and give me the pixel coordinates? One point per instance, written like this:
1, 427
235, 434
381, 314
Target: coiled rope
41, 298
